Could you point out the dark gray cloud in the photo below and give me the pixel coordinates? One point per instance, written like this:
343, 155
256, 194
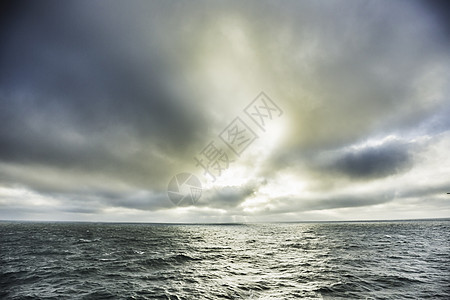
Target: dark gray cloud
441, 9
100, 200
371, 161
326, 202
81, 92
418, 191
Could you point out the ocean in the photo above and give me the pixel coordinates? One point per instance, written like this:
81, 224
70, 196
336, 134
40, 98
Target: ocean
348, 260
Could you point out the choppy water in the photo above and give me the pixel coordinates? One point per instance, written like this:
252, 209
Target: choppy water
394, 260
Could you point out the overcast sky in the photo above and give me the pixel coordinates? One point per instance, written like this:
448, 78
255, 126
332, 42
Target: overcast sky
103, 102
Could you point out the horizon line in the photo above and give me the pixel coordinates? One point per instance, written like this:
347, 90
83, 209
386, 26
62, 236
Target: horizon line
227, 223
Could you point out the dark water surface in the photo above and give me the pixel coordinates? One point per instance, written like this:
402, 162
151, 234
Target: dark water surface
379, 260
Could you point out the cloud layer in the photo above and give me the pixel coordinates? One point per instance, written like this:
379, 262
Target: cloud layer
102, 103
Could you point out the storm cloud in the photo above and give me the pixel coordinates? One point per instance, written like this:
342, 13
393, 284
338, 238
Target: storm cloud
371, 161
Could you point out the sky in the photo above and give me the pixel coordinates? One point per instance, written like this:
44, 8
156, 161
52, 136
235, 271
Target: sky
283, 110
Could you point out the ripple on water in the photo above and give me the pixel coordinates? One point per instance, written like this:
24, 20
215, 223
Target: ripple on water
393, 260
